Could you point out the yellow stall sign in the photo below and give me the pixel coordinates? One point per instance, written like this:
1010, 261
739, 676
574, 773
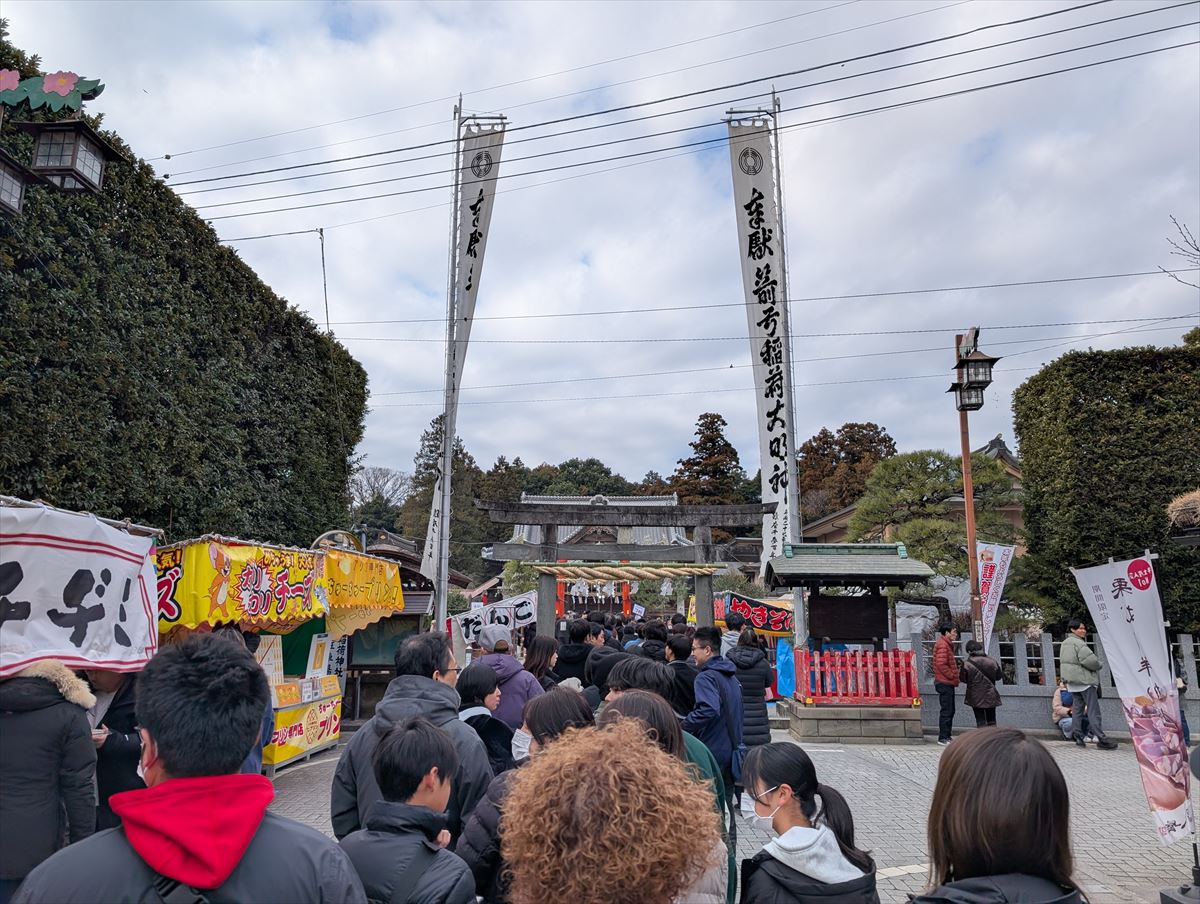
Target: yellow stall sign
301, 729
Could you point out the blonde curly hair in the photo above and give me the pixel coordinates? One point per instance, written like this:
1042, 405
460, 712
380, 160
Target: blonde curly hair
604, 815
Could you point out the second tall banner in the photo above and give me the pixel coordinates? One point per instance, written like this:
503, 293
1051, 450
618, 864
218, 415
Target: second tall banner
760, 243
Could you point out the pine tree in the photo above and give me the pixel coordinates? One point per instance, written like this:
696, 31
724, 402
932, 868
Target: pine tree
712, 474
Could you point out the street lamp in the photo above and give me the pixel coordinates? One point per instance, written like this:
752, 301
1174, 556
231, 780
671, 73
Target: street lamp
974, 371
69, 154
14, 177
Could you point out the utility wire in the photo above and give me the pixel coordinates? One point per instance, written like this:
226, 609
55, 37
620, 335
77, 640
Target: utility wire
670, 98
706, 106
720, 139
697, 370
522, 81
805, 299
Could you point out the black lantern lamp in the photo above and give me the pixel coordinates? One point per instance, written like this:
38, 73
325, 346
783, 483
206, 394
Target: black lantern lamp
975, 370
966, 398
13, 179
70, 154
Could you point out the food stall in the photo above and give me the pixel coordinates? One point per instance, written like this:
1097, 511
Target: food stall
301, 602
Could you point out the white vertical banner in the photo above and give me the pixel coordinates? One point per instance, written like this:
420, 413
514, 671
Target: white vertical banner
994, 562
481, 144
760, 248
1123, 600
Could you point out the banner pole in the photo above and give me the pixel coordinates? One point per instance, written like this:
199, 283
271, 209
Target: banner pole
442, 590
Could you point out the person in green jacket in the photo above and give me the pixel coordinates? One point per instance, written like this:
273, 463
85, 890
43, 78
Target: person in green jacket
1080, 669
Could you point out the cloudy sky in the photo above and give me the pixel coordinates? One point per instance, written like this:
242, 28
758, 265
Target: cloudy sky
1071, 175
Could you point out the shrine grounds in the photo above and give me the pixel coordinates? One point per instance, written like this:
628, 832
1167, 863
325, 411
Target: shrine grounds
1118, 859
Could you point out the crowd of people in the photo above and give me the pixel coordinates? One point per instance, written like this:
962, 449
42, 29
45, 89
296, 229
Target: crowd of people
608, 774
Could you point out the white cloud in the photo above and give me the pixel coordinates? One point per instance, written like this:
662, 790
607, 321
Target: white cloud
1074, 174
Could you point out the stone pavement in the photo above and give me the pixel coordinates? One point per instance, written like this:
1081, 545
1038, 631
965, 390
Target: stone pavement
1118, 859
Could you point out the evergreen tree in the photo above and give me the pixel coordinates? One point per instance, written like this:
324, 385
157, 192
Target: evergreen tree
833, 469
653, 484
712, 474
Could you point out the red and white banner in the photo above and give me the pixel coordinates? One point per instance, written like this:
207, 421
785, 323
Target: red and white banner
76, 590
994, 562
1123, 600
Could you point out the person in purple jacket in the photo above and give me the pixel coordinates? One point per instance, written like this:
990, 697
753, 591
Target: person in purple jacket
517, 686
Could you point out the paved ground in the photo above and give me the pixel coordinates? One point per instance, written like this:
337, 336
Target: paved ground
1118, 860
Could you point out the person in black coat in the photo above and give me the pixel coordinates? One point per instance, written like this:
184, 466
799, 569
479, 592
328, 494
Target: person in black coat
119, 747
683, 673
47, 764
655, 644
599, 664
573, 655
479, 688
400, 854
754, 675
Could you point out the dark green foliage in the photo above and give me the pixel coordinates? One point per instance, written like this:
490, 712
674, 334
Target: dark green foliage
712, 474
147, 373
1108, 438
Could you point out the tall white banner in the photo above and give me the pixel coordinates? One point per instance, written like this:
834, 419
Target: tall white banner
994, 561
481, 145
1123, 600
75, 590
760, 248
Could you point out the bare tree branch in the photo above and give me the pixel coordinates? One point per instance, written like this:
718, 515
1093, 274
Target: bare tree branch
386, 484
1187, 248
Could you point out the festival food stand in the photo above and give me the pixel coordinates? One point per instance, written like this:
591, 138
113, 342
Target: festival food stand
273, 590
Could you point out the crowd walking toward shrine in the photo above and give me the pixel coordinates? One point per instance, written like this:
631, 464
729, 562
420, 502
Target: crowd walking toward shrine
611, 768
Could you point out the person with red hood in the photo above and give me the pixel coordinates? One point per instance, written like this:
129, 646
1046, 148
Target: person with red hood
199, 830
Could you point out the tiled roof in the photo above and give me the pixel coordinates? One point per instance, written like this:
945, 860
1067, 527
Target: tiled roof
641, 536
842, 562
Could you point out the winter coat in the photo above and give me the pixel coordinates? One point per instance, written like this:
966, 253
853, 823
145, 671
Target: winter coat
599, 664
705, 769
395, 834
47, 763
212, 833
716, 719
805, 866
683, 691
653, 649
479, 846
981, 674
252, 764
549, 681
1060, 704
1077, 664
1013, 888
117, 760
728, 641
496, 736
354, 787
754, 675
571, 659
712, 885
517, 687
945, 666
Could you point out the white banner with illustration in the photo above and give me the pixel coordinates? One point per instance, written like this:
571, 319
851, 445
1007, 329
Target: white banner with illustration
75, 590
482, 143
760, 248
512, 613
994, 562
1123, 600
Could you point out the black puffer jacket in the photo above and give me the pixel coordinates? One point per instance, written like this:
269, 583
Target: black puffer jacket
479, 845
767, 881
1013, 888
117, 760
653, 649
47, 763
496, 736
396, 833
571, 659
754, 675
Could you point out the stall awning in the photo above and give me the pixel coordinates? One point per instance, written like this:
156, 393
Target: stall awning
624, 571
845, 565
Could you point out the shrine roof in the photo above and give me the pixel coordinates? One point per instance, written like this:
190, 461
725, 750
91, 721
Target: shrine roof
845, 564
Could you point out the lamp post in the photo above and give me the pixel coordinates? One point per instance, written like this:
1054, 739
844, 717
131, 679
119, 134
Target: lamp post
974, 371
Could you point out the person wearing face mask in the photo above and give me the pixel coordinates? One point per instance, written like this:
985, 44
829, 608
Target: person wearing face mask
545, 719
480, 691
426, 672
813, 859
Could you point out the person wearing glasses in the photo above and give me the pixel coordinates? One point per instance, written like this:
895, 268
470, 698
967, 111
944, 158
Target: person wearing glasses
813, 858
426, 674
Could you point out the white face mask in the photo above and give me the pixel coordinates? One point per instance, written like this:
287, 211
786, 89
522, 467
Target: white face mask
765, 823
520, 744
140, 772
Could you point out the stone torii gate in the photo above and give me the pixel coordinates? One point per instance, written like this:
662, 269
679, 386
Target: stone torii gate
701, 518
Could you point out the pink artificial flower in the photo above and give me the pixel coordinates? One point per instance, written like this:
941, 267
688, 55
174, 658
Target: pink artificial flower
9, 79
60, 83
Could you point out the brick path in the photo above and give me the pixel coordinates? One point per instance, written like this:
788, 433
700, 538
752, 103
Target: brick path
1118, 860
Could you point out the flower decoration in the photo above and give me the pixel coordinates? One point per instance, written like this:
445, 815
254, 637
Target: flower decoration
9, 79
60, 83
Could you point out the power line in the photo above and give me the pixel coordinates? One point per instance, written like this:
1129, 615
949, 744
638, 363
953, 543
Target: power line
668, 99
707, 106
522, 81
710, 142
804, 299
724, 367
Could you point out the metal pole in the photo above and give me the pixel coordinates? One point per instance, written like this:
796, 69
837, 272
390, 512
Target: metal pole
969, 511
324, 279
795, 529
442, 590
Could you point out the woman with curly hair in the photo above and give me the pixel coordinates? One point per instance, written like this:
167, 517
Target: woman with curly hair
569, 834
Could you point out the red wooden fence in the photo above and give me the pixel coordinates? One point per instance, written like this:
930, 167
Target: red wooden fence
857, 678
